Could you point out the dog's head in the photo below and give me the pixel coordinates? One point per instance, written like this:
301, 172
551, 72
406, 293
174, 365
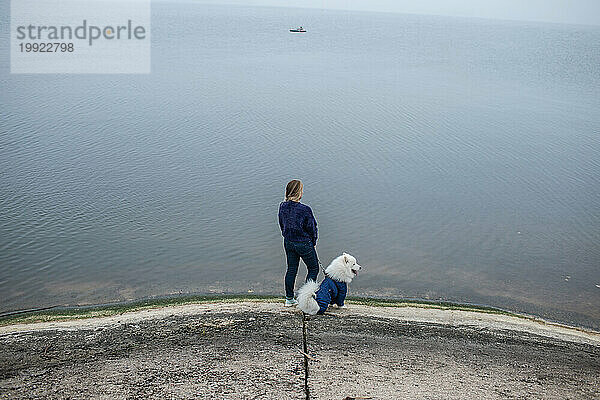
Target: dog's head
344, 268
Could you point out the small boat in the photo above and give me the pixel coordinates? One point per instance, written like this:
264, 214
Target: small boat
299, 29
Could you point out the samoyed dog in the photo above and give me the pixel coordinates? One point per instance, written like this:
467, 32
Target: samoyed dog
314, 298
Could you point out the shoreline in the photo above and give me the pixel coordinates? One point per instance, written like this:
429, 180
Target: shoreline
73, 313
245, 349
443, 313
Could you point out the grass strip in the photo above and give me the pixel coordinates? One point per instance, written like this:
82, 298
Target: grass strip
106, 310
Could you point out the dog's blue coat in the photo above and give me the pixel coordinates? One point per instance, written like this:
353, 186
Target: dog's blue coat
330, 292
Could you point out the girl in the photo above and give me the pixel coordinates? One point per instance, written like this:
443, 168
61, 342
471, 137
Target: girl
299, 230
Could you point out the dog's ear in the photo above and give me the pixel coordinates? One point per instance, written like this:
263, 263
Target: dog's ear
346, 258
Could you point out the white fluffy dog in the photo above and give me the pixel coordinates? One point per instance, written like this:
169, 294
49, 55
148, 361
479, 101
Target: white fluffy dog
314, 298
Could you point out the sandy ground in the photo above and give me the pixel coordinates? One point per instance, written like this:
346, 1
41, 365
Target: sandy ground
250, 350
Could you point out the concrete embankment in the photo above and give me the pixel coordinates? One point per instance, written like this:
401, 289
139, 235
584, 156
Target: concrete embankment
252, 350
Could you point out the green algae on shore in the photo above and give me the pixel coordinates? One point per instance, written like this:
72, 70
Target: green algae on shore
107, 310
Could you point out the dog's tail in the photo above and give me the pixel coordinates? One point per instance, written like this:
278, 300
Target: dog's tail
306, 297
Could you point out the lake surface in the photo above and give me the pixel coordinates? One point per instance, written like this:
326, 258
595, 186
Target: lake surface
457, 159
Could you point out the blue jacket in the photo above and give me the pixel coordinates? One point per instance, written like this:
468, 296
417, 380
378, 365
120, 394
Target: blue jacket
331, 292
297, 222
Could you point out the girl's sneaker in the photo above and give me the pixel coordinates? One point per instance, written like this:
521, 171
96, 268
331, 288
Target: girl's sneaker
290, 302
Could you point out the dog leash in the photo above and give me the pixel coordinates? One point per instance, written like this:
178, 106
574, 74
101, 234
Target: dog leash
319, 262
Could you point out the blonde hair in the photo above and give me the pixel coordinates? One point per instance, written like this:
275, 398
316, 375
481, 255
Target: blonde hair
293, 190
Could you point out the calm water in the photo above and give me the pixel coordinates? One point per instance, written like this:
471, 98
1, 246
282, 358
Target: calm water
457, 159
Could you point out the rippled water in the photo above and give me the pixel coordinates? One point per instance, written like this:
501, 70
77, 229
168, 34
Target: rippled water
458, 159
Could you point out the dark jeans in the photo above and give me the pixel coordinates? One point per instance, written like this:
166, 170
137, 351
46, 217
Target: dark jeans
294, 251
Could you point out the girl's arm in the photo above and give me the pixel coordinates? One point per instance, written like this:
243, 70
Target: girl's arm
280, 219
311, 228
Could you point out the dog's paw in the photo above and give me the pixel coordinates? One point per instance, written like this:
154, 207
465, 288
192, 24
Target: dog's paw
334, 305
